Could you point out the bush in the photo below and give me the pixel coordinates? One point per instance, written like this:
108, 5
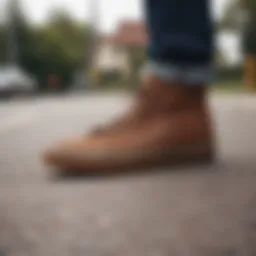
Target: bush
230, 74
108, 78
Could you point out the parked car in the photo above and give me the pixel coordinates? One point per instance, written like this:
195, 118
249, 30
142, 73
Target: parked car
13, 81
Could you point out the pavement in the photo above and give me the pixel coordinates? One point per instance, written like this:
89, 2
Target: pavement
193, 210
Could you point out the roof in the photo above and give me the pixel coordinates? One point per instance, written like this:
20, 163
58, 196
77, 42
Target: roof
129, 33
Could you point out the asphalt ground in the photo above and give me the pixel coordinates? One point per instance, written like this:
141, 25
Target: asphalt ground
192, 210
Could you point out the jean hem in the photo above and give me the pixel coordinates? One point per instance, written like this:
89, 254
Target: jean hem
198, 74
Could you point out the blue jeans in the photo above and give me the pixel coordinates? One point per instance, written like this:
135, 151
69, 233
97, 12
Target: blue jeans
181, 40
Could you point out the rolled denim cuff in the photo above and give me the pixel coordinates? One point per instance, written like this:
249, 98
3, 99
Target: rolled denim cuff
185, 74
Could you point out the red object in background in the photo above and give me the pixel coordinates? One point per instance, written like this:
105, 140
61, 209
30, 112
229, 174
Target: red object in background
129, 33
53, 82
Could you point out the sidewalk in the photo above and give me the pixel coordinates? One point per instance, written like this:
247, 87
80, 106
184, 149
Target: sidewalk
197, 210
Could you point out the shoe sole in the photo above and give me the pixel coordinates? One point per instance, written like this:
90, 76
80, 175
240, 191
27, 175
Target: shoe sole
73, 163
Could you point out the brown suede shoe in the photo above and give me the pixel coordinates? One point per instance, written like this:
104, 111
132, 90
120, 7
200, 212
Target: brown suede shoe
168, 123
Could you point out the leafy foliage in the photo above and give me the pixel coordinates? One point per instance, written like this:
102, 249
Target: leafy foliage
240, 17
58, 47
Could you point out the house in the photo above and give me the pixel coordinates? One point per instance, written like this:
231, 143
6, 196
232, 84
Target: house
112, 54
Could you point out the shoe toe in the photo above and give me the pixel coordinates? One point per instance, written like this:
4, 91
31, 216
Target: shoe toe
59, 153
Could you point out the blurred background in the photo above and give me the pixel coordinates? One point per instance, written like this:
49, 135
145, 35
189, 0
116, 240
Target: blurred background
66, 65
64, 45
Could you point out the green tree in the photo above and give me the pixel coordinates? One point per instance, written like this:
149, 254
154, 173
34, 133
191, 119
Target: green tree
249, 38
232, 17
59, 47
3, 43
240, 17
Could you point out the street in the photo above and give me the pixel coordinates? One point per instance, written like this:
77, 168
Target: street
198, 210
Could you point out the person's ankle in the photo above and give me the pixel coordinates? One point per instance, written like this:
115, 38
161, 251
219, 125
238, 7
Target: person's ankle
178, 94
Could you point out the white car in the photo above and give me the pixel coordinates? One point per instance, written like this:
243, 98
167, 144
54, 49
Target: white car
13, 81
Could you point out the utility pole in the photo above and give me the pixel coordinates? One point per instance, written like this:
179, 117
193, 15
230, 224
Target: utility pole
12, 52
94, 25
